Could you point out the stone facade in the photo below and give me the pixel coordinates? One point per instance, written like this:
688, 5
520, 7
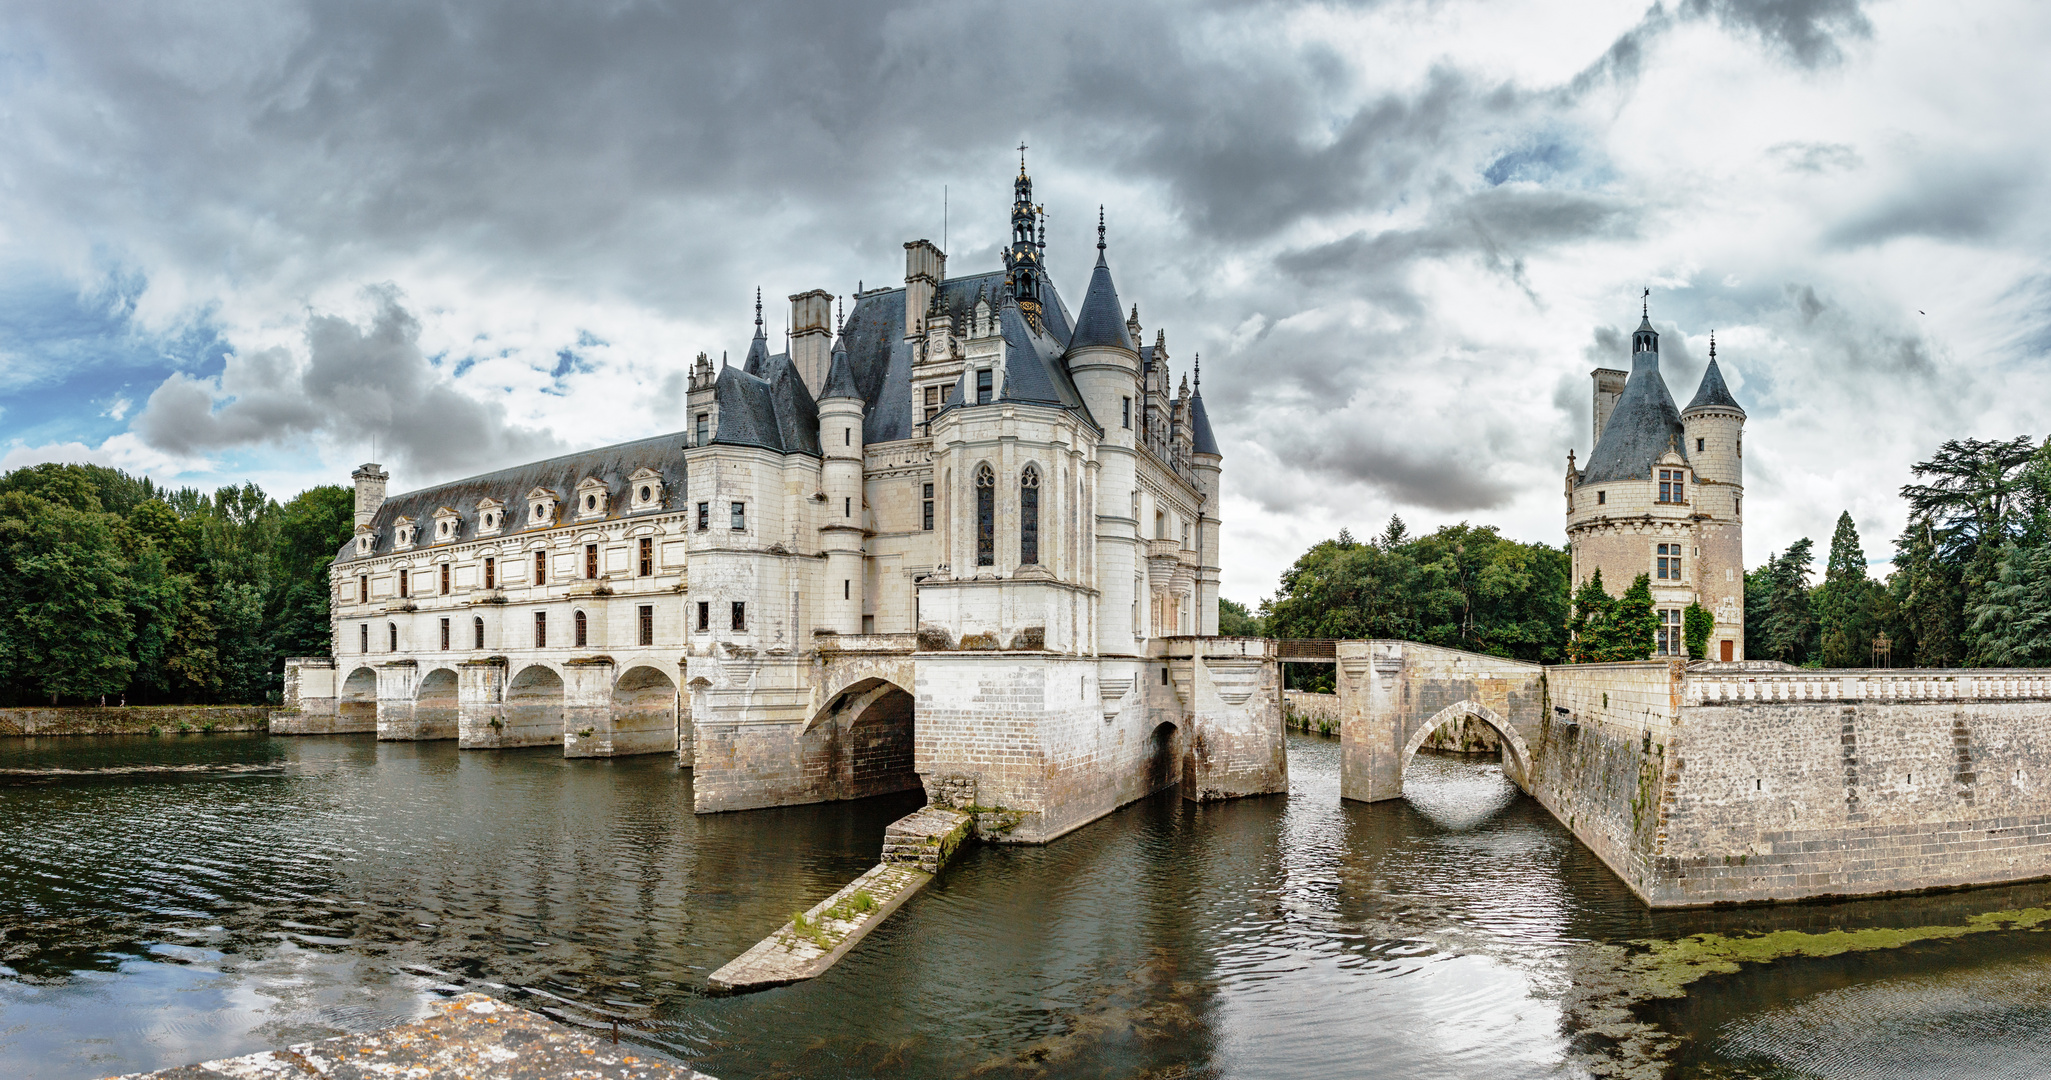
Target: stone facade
1738, 783
957, 535
1662, 495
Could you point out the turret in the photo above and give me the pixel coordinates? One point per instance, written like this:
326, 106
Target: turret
1105, 366
1714, 427
841, 412
370, 492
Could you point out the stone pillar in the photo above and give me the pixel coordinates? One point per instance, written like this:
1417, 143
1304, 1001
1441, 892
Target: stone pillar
587, 707
481, 703
1236, 745
686, 734
396, 680
310, 685
1369, 684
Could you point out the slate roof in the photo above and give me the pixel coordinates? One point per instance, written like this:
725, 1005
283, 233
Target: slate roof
1713, 394
1203, 442
840, 376
1102, 321
758, 353
1641, 427
612, 465
880, 359
772, 410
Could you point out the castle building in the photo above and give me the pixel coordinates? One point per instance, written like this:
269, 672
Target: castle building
1663, 495
959, 539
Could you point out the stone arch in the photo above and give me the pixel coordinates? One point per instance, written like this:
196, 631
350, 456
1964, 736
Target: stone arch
434, 700
1516, 755
357, 699
863, 739
1162, 768
644, 711
534, 707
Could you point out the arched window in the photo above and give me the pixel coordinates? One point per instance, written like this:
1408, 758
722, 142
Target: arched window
1029, 517
986, 516
580, 629
477, 624
392, 629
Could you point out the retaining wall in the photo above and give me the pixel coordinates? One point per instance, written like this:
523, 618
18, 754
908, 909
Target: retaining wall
133, 719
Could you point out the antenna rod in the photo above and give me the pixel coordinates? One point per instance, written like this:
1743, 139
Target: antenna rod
943, 219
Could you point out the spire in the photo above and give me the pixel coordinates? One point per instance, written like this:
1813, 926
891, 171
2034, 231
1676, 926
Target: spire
1645, 339
1100, 239
1022, 260
1712, 393
1197, 362
758, 349
840, 377
840, 318
1201, 440
1100, 322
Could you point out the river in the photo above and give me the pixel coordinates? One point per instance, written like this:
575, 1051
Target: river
180, 898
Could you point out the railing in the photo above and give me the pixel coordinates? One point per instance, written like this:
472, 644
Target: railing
1307, 650
1909, 684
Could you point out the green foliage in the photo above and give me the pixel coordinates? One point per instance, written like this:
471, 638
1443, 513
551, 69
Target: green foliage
1780, 616
1696, 626
1235, 621
1463, 586
110, 585
1591, 626
2012, 624
1637, 624
1847, 601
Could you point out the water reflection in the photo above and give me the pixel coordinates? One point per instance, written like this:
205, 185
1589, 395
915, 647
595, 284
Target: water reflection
245, 892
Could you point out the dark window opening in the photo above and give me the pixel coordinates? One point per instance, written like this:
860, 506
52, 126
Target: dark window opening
363, 589
590, 560
704, 615
445, 635
740, 517
647, 556
1601, 497
1668, 562
541, 568
445, 579
984, 384
1698, 446
580, 627
491, 573
1670, 632
541, 629
1029, 517
740, 619
1125, 412
986, 517
704, 423
847, 588
647, 614
392, 629
926, 508
364, 636
402, 585
847, 506
1673, 486
704, 516
477, 631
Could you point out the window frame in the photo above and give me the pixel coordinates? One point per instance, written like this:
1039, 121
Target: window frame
645, 624
590, 562
491, 572
738, 618
580, 629
541, 568
645, 553
704, 616
541, 629
737, 517
477, 629
445, 635
926, 507
1029, 516
986, 515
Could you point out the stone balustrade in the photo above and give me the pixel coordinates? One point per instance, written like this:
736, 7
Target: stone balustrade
1849, 685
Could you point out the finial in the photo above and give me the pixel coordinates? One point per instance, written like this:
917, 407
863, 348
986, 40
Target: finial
1042, 211
1021, 157
1197, 362
1712, 344
758, 310
1100, 227
1645, 306
840, 320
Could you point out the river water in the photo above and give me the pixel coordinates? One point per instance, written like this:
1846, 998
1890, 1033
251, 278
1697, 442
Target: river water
181, 898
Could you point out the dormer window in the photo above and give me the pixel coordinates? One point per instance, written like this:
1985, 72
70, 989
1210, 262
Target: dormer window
364, 540
403, 532
491, 515
1673, 485
591, 499
541, 504
448, 525
646, 488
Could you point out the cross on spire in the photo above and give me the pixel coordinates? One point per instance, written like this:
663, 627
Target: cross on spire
1021, 157
1100, 226
1645, 306
758, 310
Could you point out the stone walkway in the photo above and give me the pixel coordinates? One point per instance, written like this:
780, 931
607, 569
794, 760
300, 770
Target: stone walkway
474, 1037
914, 849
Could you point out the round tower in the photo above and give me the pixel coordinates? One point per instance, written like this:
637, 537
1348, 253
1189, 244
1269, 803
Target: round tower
841, 411
1714, 426
1104, 363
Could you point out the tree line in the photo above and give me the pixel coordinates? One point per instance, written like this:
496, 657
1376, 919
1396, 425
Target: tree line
111, 587
1971, 585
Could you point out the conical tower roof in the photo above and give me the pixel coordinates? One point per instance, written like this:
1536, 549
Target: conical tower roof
1713, 394
840, 377
1641, 428
1102, 319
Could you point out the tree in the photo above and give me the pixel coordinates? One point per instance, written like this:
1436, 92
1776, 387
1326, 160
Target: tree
1844, 602
2013, 622
1928, 626
1637, 624
1787, 623
1589, 628
1696, 626
1235, 621
65, 628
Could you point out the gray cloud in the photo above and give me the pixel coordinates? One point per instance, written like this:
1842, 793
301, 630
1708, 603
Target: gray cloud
1815, 157
357, 384
1948, 200
1810, 32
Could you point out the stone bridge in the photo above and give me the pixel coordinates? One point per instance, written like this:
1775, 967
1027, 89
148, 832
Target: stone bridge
1711, 783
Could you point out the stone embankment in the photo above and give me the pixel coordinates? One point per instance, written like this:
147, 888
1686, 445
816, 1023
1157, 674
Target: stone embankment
915, 847
472, 1037
134, 720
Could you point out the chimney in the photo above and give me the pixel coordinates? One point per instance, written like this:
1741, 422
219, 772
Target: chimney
811, 337
925, 267
370, 492
1609, 386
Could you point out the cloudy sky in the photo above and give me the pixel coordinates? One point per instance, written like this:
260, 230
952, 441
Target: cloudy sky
246, 238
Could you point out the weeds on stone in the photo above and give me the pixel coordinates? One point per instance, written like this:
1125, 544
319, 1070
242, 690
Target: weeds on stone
852, 907
155, 730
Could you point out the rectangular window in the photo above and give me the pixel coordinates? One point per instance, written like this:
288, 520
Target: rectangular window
477, 630
445, 579
1125, 412
541, 629
541, 568
740, 517
847, 507
704, 615
1667, 562
402, 584
647, 556
1601, 497
445, 635
363, 588
393, 629
1670, 643
1698, 446
699, 436
984, 384
590, 561
740, 615
647, 624
1673, 485
932, 402
491, 572
704, 516
363, 635
847, 588
926, 507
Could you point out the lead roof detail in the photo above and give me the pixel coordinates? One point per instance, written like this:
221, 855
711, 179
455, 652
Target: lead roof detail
1643, 426
1713, 394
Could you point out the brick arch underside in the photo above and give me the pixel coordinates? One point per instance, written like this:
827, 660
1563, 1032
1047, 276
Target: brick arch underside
861, 742
1516, 755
